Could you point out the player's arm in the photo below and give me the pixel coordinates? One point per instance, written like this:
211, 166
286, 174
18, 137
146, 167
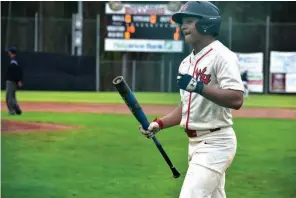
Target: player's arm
173, 118
230, 97
224, 97
230, 91
19, 74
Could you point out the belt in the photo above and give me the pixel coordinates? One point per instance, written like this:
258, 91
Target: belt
193, 133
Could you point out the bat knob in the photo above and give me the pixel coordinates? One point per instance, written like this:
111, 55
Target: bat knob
117, 80
176, 174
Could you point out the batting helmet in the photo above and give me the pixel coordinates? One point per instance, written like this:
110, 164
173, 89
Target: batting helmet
208, 14
12, 50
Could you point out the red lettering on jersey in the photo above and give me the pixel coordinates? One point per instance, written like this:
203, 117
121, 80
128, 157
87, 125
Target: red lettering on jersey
204, 78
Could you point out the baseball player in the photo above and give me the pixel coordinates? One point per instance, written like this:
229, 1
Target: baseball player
14, 80
210, 87
245, 79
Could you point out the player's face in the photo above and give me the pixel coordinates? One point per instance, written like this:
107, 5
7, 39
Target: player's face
188, 28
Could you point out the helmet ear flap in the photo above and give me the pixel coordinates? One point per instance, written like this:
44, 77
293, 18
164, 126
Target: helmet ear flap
201, 26
208, 25
197, 26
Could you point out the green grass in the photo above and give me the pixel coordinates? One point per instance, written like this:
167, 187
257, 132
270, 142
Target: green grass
109, 158
280, 101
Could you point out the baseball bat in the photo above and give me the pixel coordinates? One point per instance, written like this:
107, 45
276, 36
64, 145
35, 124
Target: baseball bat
132, 103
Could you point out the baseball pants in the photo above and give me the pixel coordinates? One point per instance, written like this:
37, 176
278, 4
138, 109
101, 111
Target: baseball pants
209, 156
11, 101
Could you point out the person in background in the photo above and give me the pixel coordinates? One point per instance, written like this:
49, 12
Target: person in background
14, 80
244, 77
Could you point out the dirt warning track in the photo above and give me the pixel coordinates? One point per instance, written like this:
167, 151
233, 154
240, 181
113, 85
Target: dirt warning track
15, 126
149, 109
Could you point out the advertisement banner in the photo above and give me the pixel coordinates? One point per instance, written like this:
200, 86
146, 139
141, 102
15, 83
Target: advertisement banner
278, 82
255, 83
114, 7
139, 45
253, 64
291, 83
282, 62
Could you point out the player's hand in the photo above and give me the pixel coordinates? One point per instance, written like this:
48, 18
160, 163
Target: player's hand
153, 128
189, 83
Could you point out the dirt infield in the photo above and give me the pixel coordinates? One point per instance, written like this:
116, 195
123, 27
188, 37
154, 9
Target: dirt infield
18, 126
120, 109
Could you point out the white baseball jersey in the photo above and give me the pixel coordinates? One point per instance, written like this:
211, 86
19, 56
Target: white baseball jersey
216, 66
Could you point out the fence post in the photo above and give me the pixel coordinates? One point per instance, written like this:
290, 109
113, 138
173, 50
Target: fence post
40, 30
124, 65
73, 32
162, 74
98, 53
7, 43
134, 76
170, 77
36, 36
230, 32
80, 17
266, 75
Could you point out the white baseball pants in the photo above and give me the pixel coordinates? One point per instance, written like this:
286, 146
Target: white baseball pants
209, 156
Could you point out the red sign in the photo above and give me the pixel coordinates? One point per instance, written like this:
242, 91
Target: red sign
278, 82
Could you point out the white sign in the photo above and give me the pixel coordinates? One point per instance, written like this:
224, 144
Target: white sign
255, 83
282, 62
142, 9
138, 45
252, 62
291, 83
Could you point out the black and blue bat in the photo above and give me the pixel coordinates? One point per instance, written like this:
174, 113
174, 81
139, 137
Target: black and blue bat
132, 103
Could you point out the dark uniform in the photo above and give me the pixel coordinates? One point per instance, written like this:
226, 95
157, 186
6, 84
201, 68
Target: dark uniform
244, 76
14, 78
245, 79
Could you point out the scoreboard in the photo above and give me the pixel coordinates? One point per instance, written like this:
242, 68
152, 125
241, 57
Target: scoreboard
142, 28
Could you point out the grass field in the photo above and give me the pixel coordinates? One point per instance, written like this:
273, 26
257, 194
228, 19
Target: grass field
109, 158
281, 101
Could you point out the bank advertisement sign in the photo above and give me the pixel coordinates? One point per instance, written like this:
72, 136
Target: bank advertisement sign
136, 45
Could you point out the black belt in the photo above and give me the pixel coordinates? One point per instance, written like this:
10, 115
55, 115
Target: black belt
193, 133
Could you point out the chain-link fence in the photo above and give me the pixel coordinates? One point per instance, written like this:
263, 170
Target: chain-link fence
55, 35
150, 76
48, 35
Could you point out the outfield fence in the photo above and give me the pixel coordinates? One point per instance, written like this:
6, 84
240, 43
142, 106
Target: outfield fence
54, 35
51, 37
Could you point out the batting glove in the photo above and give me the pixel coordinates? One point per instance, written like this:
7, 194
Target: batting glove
155, 126
189, 83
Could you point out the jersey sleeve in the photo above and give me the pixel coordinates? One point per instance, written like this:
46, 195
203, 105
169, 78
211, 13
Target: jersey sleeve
228, 74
